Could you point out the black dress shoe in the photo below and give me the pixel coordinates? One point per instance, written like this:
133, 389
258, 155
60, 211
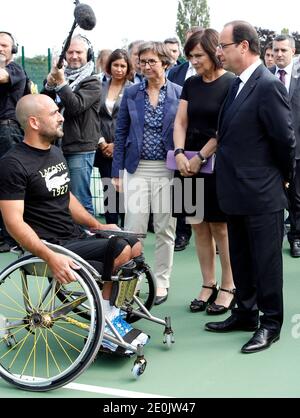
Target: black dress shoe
181, 243
230, 324
262, 339
160, 299
295, 248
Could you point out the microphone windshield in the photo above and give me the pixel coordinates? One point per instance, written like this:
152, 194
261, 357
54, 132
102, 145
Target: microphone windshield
85, 17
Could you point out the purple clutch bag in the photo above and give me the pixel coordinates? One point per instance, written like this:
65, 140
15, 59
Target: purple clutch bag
207, 168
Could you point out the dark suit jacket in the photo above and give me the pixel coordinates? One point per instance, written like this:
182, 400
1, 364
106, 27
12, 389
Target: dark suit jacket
294, 97
108, 121
130, 126
177, 74
256, 148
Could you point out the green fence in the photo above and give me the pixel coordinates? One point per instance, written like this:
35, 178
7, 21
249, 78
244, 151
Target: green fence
37, 67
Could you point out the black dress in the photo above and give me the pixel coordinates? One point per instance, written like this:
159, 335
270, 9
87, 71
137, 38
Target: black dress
204, 103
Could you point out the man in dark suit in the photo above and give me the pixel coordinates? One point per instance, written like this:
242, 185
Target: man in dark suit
255, 159
289, 73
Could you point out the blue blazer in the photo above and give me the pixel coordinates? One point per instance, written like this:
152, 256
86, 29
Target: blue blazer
130, 126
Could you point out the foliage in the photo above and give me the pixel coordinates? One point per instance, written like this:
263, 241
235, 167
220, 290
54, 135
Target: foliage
191, 13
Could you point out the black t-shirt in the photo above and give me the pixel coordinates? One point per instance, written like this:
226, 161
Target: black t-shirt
204, 103
41, 179
12, 91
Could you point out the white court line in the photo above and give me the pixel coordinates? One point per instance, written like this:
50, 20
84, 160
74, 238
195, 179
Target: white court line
110, 391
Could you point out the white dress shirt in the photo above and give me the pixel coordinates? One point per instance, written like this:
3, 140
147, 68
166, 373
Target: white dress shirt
288, 74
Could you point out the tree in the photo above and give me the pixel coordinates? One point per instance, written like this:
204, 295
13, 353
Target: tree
191, 13
265, 36
296, 36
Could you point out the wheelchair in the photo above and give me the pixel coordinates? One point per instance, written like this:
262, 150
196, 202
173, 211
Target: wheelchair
51, 332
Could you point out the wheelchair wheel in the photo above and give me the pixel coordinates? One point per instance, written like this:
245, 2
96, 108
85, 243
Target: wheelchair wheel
146, 293
44, 344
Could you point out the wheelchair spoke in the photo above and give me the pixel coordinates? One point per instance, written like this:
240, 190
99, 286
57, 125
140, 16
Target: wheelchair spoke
23, 312
68, 307
70, 331
48, 349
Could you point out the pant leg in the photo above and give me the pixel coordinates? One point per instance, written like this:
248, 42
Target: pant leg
256, 260
294, 205
80, 166
266, 236
183, 229
164, 227
242, 269
137, 196
113, 201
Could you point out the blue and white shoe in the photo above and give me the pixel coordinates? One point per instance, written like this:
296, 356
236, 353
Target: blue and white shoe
123, 328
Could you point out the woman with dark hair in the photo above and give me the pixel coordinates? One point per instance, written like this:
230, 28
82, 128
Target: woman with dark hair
118, 67
144, 135
195, 130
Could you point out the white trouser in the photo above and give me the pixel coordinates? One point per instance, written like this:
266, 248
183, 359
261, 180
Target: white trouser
150, 188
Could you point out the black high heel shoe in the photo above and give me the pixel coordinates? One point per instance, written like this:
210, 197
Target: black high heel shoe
215, 309
200, 305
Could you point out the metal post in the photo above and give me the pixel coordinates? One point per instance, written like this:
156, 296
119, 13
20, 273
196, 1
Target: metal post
23, 57
49, 60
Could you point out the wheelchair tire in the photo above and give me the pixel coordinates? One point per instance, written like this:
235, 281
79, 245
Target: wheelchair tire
44, 344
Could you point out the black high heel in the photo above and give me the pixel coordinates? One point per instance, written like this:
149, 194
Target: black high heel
215, 309
200, 305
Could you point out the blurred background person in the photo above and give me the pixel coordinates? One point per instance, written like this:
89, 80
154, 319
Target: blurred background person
174, 47
144, 135
133, 48
118, 67
101, 62
12, 86
196, 130
79, 94
268, 55
288, 72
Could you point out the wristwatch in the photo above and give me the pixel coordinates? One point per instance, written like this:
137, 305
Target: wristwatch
203, 159
178, 151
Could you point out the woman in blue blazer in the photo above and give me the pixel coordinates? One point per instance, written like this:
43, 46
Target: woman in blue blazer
144, 134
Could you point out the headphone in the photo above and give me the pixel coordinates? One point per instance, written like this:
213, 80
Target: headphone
14, 48
90, 52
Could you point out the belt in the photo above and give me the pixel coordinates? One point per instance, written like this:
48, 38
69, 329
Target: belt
8, 122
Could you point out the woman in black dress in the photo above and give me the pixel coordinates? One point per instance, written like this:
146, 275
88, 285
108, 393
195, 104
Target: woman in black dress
195, 130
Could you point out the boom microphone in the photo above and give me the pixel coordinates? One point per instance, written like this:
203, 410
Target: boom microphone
85, 17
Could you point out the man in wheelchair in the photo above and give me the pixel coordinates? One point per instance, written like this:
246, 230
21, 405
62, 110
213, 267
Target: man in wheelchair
37, 205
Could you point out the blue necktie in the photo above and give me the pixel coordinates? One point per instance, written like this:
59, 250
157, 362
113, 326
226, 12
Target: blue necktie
232, 93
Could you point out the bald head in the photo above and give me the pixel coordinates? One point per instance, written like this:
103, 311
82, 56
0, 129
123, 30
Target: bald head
39, 116
32, 105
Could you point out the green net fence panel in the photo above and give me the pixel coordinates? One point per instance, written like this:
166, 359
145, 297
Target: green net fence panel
37, 67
